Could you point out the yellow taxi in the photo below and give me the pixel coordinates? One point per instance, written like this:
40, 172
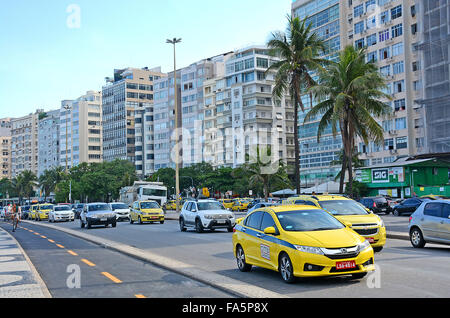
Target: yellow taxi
300, 241
346, 210
33, 210
43, 211
240, 205
227, 203
146, 211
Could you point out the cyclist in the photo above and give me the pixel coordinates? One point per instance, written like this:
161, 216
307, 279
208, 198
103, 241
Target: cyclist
15, 216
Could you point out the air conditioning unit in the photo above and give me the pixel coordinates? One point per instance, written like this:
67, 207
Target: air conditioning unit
393, 132
393, 151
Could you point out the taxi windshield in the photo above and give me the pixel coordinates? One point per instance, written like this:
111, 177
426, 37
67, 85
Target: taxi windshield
343, 207
308, 220
149, 205
46, 207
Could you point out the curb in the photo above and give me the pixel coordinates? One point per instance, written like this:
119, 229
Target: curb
398, 236
223, 283
33, 269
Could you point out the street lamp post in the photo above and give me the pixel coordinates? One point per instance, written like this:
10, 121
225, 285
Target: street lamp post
174, 42
67, 108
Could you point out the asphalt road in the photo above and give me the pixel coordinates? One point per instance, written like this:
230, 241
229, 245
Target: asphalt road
402, 270
103, 273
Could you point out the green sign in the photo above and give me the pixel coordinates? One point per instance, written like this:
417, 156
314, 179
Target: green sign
364, 176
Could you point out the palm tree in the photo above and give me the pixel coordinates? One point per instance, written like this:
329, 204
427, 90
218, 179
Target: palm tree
50, 178
24, 184
265, 173
298, 51
349, 96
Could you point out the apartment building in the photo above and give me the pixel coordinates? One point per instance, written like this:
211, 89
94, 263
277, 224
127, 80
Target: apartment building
388, 29
48, 141
163, 124
24, 144
326, 19
80, 132
434, 47
128, 92
5, 151
240, 115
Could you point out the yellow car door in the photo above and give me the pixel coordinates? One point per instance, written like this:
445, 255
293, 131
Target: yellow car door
269, 247
252, 234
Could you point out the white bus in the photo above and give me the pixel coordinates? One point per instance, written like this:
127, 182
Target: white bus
144, 191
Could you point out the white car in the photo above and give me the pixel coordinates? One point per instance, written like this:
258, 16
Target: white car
61, 213
122, 211
206, 215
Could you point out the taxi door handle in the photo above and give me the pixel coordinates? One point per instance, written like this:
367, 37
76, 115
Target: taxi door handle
259, 235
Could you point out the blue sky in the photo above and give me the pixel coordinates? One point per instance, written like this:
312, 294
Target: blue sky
44, 59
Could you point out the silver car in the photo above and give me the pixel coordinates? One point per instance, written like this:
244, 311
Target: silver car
430, 223
97, 214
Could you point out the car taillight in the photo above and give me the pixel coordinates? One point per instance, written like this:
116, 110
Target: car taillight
410, 219
374, 205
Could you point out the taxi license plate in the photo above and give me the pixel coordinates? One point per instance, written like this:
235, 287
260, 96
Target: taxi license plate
221, 221
371, 240
345, 265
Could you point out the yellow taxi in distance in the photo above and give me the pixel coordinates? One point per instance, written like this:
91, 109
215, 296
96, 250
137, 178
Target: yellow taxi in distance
300, 241
348, 211
227, 203
240, 205
43, 211
33, 210
146, 211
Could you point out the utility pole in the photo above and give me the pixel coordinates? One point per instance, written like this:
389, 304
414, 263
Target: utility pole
174, 42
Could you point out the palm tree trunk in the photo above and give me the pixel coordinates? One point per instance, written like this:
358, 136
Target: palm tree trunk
296, 144
343, 170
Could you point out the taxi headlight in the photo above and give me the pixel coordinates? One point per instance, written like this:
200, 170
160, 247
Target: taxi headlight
381, 223
364, 245
209, 216
309, 249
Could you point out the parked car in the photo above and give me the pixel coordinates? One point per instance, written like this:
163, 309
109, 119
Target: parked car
300, 241
430, 223
77, 209
261, 205
61, 213
376, 204
122, 211
206, 215
97, 214
409, 206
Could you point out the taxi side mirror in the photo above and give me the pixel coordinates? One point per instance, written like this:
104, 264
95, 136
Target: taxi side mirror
347, 224
270, 231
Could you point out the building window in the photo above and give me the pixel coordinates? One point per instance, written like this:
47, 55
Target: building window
397, 49
384, 53
400, 123
396, 12
397, 30
358, 10
372, 39
400, 104
401, 142
383, 35
398, 67
359, 44
359, 27
399, 86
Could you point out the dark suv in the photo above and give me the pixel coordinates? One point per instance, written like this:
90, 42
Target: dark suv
376, 204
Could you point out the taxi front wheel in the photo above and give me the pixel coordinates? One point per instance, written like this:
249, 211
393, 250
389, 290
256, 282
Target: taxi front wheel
286, 269
240, 259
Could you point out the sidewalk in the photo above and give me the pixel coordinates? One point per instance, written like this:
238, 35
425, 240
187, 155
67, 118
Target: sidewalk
18, 277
